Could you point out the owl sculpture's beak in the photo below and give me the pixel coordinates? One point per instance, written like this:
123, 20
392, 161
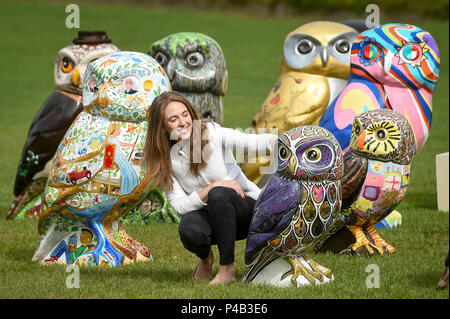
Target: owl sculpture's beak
75, 76
324, 56
292, 165
388, 62
361, 140
170, 70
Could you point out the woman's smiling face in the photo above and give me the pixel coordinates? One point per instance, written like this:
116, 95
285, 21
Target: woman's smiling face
177, 121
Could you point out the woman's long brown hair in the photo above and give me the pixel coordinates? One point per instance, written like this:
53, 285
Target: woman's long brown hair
158, 143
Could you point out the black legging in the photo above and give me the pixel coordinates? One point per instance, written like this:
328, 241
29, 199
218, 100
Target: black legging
224, 220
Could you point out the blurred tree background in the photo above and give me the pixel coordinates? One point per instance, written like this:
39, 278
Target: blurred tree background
391, 9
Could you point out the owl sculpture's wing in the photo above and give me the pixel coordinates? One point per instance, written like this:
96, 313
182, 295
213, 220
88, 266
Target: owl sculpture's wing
355, 170
46, 132
272, 213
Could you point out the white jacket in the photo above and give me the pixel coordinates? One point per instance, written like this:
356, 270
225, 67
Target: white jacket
221, 165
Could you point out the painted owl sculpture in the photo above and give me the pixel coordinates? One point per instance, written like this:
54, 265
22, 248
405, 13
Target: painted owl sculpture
97, 175
53, 119
375, 180
393, 66
298, 206
314, 69
196, 67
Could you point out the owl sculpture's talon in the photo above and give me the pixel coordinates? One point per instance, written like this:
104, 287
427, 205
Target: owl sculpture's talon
362, 246
367, 244
311, 274
382, 246
128, 246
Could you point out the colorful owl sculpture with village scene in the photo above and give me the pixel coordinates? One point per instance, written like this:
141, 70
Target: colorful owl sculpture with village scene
97, 174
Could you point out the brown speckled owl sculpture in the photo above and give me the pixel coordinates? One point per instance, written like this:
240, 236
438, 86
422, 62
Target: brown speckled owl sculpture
54, 118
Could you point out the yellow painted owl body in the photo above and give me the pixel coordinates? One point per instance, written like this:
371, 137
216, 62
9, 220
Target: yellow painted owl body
314, 69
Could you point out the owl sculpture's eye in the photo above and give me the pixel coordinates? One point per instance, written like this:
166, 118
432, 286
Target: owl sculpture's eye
356, 130
114, 94
161, 58
283, 153
305, 46
382, 138
195, 59
313, 154
317, 156
342, 46
411, 53
66, 65
381, 134
370, 52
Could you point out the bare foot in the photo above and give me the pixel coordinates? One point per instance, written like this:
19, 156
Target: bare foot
224, 275
204, 268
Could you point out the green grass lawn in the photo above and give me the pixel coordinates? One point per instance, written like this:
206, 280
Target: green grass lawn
33, 33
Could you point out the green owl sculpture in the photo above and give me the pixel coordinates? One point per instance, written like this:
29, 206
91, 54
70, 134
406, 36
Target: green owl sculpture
196, 67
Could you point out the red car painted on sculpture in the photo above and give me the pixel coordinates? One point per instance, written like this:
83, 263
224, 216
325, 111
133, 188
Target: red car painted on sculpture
75, 176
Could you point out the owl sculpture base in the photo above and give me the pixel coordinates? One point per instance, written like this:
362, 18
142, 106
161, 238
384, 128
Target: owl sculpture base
71, 240
294, 271
443, 282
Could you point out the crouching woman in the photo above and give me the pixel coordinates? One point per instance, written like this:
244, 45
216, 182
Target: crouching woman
192, 161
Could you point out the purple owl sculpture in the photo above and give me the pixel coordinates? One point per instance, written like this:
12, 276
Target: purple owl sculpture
298, 206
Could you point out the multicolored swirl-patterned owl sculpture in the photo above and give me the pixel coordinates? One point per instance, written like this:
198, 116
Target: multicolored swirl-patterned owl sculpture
375, 180
393, 66
196, 67
97, 175
54, 118
314, 69
300, 203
